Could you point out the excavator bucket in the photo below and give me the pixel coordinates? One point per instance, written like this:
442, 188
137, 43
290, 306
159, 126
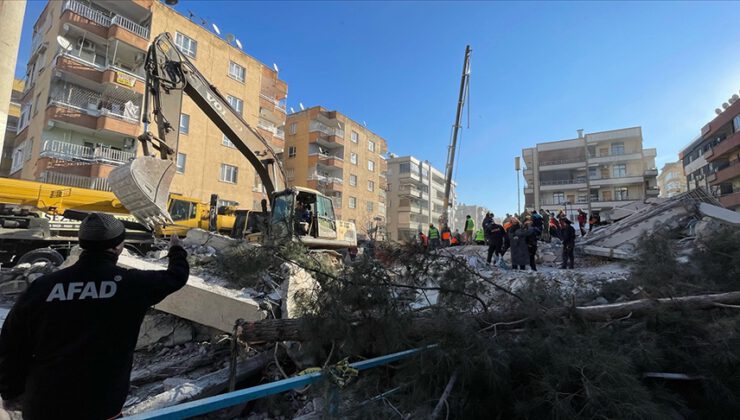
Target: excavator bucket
143, 187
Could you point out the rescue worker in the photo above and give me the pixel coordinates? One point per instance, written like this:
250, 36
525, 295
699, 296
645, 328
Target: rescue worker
458, 237
480, 238
496, 238
433, 237
545, 225
554, 228
592, 221
469, 227
582, 221
423, 239
446, 236
486, 224
517, 239
569, 244
531, 234
67, 345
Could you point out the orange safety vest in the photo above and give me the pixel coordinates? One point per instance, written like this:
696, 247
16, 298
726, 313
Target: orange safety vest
445, 236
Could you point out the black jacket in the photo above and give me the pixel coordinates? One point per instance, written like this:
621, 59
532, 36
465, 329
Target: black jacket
496, 233
67, 344
568, 235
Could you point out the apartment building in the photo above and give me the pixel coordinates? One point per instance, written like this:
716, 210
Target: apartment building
82, 102
11, 127
343, 159
477, 213
712, 160
606, 169
415, 197
671, 180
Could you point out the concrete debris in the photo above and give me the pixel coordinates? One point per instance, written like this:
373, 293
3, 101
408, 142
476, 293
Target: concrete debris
15, 280
618, 240
299, 285
165, 329
200, 237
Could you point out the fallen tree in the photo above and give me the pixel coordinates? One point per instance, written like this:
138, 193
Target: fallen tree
272, 330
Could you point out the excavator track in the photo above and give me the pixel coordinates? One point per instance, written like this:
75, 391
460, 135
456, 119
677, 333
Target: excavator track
143, 187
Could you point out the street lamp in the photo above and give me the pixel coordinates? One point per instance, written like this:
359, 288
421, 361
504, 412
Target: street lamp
517, 167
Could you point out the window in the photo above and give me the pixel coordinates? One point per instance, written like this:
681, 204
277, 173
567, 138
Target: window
293, 128
290, 174
355, 136
621, 193
236, 71
353, 158
184, 123
228, 173
371, 166
226, 203
291, 151
619, 171
235, 103
369, 206
592, 172
558, 198
352, 202
187, 45
371, 145
226, 142
182, 210
181, 158
736, 123
617, 148
353, 180
370, 186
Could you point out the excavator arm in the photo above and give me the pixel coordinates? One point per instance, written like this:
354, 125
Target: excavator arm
143, 185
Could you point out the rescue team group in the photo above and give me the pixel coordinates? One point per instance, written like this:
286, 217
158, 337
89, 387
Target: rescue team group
512, 234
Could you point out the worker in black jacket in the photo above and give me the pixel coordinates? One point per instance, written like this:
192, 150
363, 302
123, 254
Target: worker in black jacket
568, 235
67, 345
497, 241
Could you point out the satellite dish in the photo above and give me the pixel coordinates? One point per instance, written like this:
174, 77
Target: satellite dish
292, 111
203, 22
215, 29
192, 15
364, 123
300, 104
64, 43
725, 105
238, 44
274, 66
734, 98
230, 38
717, 111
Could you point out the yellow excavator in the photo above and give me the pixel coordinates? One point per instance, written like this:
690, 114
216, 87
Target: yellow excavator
143, 185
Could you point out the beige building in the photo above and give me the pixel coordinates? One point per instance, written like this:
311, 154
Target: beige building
340, 157
11, 127
415, 197
81, 108
671, 180
607, 169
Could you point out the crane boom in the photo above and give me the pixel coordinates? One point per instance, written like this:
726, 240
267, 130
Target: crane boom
449, 167
143, 185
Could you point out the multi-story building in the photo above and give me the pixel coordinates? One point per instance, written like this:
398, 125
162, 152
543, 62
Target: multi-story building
11, 127
671, 180
82, 103
606, 169
343, 159
712, 160
416, 192
477, 213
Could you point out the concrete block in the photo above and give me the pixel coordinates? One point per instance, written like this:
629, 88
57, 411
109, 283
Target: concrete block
165, 329
203, 237
198, 301
719, 213
299, 284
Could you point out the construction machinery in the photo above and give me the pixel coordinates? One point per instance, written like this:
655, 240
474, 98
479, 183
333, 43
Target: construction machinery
143, 185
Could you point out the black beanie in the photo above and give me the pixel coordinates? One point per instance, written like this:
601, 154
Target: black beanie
101, 231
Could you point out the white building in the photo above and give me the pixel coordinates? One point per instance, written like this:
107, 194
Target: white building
461, 213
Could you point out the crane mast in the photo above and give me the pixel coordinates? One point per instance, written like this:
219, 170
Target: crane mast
450, 166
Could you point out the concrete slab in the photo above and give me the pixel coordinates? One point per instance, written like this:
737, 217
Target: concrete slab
720, 213
207, 304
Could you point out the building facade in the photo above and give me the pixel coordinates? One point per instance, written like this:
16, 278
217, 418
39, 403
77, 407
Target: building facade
11, 16
11, 127
415, 197
82, 104
343, 159
477, 213
712, 160
606, 169
671, 180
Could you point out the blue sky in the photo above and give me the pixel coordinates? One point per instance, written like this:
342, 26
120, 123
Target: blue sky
540, 70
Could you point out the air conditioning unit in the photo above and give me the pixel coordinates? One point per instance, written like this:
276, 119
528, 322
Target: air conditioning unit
85, 44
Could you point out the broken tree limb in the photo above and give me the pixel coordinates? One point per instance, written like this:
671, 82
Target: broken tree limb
271, 330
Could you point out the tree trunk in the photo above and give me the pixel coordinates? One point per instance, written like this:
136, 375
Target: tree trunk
271, 330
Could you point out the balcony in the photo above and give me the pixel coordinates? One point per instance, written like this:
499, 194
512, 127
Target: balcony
70, 180
325, 140
614, 157
110, 75
561, 184
77, 152
726, 146
105, 24
317, 126
731, 200
325, 183
617, 181
554, 165
650, 172
272, 108
409, 191
731, 171
325, 160
652, 192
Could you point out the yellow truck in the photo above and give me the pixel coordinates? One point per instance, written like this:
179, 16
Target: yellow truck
34, 226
